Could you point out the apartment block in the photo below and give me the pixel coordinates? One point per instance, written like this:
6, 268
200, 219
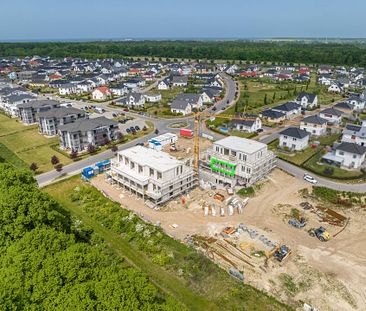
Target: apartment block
152, 175
50, 120
235, 161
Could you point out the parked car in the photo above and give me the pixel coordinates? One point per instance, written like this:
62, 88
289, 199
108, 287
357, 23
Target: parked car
125, 109
114, 115
128, 130
140, 144
310, 179
137, 128
214, 108
259, 130
132, 129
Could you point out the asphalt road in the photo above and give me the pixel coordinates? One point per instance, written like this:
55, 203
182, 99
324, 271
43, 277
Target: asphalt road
163, 125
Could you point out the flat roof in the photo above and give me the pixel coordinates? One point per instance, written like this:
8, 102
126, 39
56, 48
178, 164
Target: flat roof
155, 159
244, 145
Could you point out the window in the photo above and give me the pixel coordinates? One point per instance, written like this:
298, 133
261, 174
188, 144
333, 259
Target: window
160, 175
233, 153
226, 151
127, 161
132, 166
341, 152
151, 172
354, 156
284, 137
140, 169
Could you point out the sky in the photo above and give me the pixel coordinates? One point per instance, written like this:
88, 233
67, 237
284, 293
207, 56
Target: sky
31, 20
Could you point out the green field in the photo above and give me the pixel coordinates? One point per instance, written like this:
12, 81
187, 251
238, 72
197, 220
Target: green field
27, 145
175, 268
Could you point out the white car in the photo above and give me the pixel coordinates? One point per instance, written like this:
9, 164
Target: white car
310, 179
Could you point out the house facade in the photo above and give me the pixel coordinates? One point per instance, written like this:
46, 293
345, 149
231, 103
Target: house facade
28, 112
78, 135
50, 120
346, 155
294, 139
314, 125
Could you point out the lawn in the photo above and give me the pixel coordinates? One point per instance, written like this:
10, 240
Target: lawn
337, 173
28, 145
174, 267
259, 94
7, 156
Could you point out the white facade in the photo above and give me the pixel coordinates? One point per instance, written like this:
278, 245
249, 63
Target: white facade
350, 160
153, 175
67, 90
293, 143
314, 129
153, 98
235, 161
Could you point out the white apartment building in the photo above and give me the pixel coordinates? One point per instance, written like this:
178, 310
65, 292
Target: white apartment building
235, 161
153, 175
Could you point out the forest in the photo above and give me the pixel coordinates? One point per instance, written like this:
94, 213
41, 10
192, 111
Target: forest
261, 51
51, 262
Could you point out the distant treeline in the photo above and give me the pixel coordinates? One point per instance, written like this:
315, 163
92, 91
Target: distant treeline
282, 52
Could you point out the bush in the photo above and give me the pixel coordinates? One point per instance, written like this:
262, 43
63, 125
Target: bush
328, 171
246, 192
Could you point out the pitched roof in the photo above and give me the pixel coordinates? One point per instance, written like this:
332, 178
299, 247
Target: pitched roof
332, 111
272, 114
179, 104
289, 106
60, 112
352, 148
314, 120
87, 124
310, 97
295, 132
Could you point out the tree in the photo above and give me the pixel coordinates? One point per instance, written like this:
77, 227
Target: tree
33, 167
274, 96
114, 148
119, 136
58, 167
91, 148
54, 160
73, 154
106, 141
265, 99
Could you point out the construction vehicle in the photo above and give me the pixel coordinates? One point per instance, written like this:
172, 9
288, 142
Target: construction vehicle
296, 223
173, 148
321, 233
282, 253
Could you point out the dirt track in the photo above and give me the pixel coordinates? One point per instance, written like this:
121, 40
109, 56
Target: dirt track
330, 276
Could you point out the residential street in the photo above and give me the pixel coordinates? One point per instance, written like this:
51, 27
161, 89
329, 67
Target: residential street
163, 126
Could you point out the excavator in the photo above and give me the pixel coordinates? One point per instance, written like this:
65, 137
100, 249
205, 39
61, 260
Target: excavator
321, 233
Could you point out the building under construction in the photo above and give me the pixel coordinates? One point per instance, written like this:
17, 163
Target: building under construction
235, 161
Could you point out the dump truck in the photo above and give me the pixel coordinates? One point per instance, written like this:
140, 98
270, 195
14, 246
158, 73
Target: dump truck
321, 233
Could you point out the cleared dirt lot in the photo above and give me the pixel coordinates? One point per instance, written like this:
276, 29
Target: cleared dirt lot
328, 275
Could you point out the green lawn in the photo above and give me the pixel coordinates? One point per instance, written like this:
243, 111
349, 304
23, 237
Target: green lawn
174, 267
338, 173
28, 145
7, 156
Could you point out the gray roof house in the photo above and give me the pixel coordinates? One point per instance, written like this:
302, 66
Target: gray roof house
50, 120
294, 139
78, 135
28, 111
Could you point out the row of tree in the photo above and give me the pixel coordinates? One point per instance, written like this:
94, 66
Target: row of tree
284, 52
48, 261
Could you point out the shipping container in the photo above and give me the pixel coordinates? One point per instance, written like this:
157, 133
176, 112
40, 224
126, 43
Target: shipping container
186, 133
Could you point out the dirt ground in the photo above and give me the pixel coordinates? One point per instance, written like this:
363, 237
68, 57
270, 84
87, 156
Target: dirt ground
327, 275
185, 147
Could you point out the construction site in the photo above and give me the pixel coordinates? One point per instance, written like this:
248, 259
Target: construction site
283, 240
